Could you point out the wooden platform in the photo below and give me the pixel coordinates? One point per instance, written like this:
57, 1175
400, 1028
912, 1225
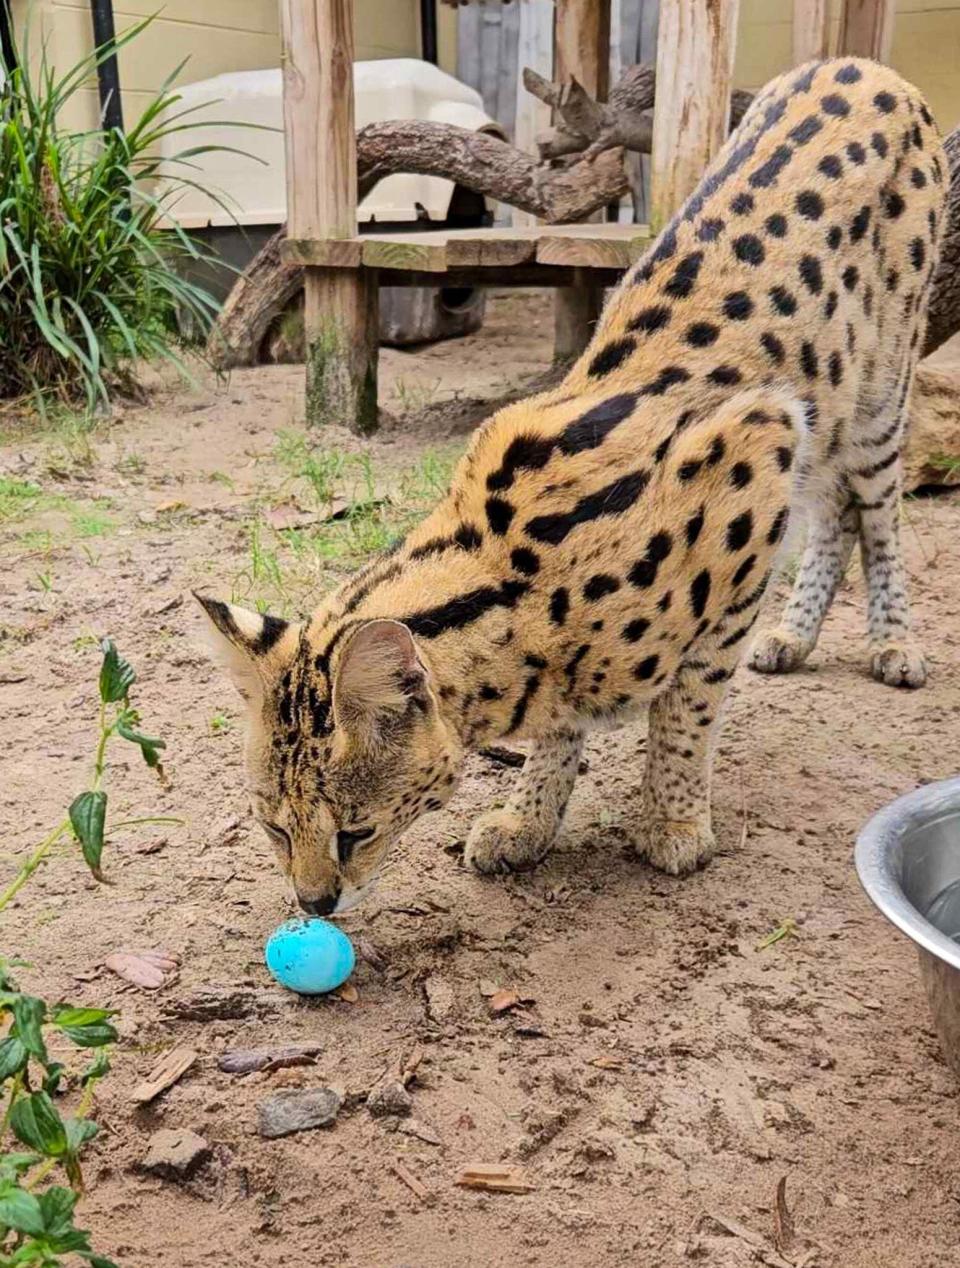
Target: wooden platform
587, 246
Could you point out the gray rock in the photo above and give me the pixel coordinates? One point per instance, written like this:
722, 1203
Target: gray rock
297, 1109
175, 1153
390, 1099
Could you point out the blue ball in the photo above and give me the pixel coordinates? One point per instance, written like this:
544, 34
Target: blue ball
309, 956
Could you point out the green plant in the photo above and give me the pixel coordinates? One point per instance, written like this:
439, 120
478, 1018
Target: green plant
220, 724
37, 1224
88, 260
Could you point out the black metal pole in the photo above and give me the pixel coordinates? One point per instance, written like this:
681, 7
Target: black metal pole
8, 47
108, 74
428, 30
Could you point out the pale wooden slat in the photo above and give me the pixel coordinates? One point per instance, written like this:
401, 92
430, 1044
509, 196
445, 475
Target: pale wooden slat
695, 49
866, 28
811, 30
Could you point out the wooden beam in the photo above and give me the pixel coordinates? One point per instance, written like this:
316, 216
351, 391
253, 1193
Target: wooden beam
866, 28
532, 116
340, 305
581, 51
811, 30
695, 49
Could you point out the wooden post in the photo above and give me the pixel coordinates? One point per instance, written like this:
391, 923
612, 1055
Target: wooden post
581, 50
866, 28
340, 305
532, 116
695, 49
811, 30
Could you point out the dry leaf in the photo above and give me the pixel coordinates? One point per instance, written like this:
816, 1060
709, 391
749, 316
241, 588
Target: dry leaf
494, 1177
348, 993
246, 1060
172, 1066
607, 1063
783, 1229
501, 1001
165, 507
422, 1131
149, 969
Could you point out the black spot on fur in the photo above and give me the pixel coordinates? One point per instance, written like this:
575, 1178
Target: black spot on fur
725, 375
773, 347
918, 178
591, 428
644, 571
612, 499
810, 204
783, 301
701, 334
699, 593
806, 130
530, 688
778, 525
635, 630
850, 74
717, 452
835, 105
464, 609
668, 377
649, 320
559, 605
856, 153
851, 275
709, 230
894, 205
741, 473
685, 276
749, 249
776, 225
859, 224
744, 570
879, 144
663, 603
694, 526
918, 253
885, 102
499, 515
598, 586
611, 356
525, 561
808, 359
835, 363
765, 175
811, 273
784, 458
468, 538
742, 205
739, 531
524, 453
647, 668
830, 307
738, 306
834, 237
688, 470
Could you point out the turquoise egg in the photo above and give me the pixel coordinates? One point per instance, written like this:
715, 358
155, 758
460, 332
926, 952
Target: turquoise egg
309, 956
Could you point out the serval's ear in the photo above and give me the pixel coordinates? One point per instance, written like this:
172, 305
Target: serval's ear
379, 674
250, 646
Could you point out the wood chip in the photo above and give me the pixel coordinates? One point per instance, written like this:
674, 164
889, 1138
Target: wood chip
784, 1233
172, 1066
413, 1184
149, 969
348, 993
607, 1063
409, 1065
494, 1177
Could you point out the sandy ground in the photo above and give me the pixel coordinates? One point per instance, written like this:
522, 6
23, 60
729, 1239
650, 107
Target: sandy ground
665, 1075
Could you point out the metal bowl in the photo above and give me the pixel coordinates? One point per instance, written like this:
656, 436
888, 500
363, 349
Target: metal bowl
907, 856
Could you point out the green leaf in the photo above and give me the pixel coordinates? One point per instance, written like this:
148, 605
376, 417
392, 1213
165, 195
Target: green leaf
53, 1077
67, 1015
93, 1036
36, 1123
117, 675
148, 747
22, 1211
29, 1014
98, 1067
79, 1131
88, 814
56, 1205
13, 1057
99, 1261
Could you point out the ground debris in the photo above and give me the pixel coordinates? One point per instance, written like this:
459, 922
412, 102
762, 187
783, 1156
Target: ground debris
410, 1180
747, 1235
371, 954
150, 969
172, 1066
247, 1060
297, 1110
390, 1099
423, 1131
784, 1233
495, 1177
440, 998
348, 993
222, 1003
175, 1153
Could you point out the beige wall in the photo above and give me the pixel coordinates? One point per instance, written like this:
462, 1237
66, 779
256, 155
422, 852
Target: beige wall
230, 35
926, 48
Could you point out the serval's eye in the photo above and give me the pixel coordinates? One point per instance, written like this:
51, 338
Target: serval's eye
347, 838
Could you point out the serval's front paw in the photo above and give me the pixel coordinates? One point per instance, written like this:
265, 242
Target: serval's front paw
676, 847
777, 651
899, 665
503, 841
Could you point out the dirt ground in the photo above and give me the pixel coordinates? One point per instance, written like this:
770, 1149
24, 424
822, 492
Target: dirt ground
666, 1074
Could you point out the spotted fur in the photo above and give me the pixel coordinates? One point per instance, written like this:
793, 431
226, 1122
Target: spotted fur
605, 546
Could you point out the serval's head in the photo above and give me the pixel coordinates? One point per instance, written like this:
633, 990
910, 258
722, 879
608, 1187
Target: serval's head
345, 743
